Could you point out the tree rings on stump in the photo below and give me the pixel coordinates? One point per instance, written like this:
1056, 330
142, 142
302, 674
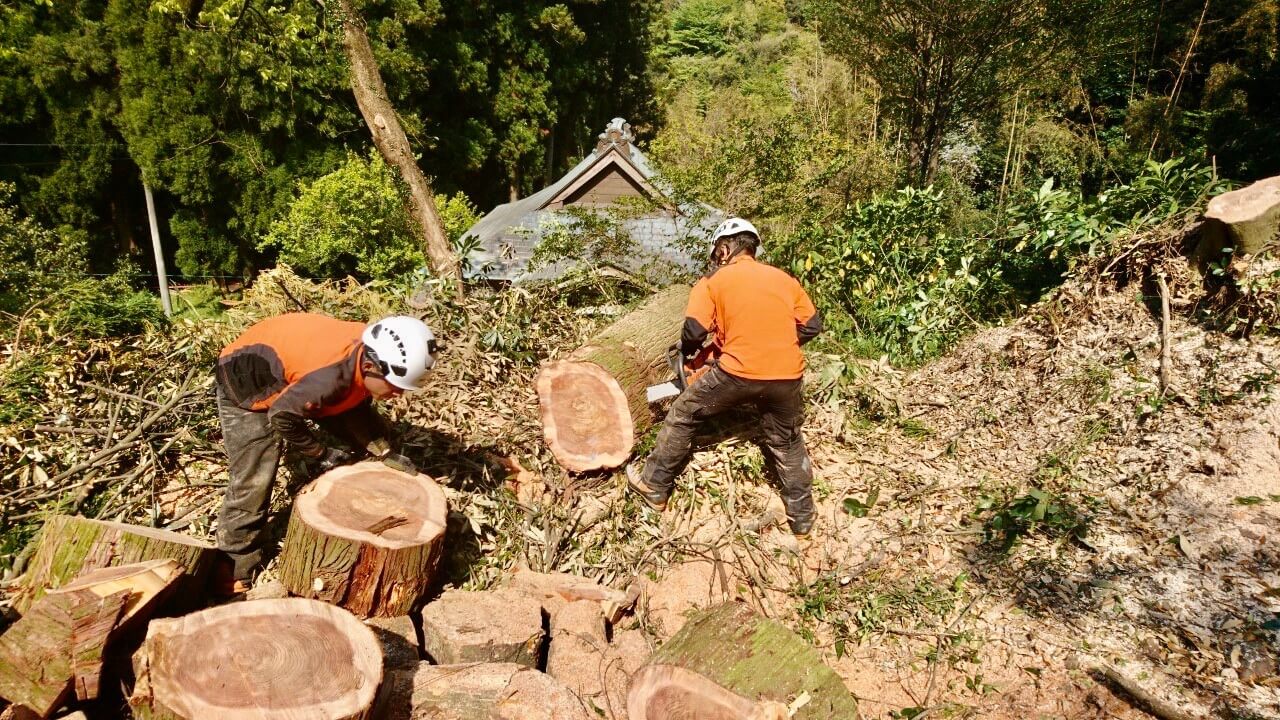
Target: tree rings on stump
259, 660
730, 663
586, 417
365, 537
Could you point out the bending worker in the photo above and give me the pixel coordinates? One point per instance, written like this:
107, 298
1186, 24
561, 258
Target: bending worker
283, 372
759, 317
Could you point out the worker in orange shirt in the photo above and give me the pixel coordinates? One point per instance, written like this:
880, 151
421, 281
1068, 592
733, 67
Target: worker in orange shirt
282, 373
758, 316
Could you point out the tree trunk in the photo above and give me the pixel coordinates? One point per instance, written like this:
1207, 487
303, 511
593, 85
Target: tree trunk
266, 659
71, 545
388, 136
730, 662
365, 537
593, 404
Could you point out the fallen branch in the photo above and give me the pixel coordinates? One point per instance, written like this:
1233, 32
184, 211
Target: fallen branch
1148, 702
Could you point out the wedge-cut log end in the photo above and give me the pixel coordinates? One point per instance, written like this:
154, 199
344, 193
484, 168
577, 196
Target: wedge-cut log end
69, 546
365, 537
586, 416
262, 659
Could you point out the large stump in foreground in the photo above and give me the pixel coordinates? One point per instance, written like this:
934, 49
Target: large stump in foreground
261, 659
365, 537
593, 403
730, 662
71, 545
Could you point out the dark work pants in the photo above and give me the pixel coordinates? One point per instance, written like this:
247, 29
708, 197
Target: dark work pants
253, 455
781, 409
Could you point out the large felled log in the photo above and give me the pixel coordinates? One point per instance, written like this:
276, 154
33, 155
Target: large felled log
365, 537
593, 403
69, 546
1247, 220
263, 659
730, 662
494, 626
494, 691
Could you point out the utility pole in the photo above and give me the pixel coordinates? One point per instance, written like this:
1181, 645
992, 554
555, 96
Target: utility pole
159, 252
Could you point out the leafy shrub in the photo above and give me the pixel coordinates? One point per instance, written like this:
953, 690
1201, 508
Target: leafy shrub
888, 273
34, 261
107, 307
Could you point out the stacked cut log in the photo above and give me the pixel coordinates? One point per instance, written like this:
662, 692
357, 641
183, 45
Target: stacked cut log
56, 650
593, 403
730, 662
266, 659
494, 691
365, 537
497, 626
69, 546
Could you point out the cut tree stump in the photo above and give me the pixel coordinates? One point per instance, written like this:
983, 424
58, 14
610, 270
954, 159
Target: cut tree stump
730, 662
1247, 220
493, 691
69, 546
365, 537
492, 626
593, 403
262, 659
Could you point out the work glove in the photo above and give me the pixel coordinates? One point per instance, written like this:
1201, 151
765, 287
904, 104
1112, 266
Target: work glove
332, 458
396, 461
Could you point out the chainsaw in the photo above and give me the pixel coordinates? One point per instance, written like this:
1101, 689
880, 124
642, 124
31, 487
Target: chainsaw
685, 373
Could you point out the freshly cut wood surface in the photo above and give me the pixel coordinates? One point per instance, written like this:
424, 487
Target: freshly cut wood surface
365, 537
1246, 220
730, 663
144, 583
593, 403
69, 546
290, 659
490, 626
492, 691
555, 590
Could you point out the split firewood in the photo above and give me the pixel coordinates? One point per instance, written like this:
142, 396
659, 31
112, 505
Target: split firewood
35, 654
593, 403
365, 537
265, 659
554, 590
493, 626
731, 662
494, 691
70, 546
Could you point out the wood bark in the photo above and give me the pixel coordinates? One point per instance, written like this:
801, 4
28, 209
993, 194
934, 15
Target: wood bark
266, 659
69, 546
365, 537
494, 691
733, 663
391, 141
1246, 220
593, 403
492, 626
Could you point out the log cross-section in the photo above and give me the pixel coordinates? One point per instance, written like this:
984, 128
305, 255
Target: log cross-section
593, 403
365, 537
262, 660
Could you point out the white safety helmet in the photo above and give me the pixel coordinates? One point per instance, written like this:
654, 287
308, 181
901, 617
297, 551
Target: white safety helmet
733, 226
403, 348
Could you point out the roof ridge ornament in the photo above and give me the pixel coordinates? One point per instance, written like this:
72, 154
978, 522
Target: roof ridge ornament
616, 133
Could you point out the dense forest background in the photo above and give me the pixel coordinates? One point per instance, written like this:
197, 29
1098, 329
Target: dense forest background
920, 165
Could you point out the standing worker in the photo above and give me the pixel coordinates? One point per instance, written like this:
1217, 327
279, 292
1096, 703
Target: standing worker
284, 371
759, 317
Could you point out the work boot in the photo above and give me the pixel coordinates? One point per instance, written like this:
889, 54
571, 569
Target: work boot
802, 527
224, 586
655, 499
